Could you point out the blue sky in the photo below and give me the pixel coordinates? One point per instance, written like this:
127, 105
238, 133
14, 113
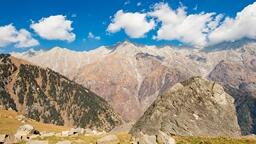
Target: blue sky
95, 16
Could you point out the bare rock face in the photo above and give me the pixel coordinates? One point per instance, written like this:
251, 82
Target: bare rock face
47, 96
157, 82
129, 81
195, 107
113, 79
232, 73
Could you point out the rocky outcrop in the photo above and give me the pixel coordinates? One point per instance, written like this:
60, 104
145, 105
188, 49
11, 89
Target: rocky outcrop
195, 107
47, 96
25, 131
160, 138
163, 138
3, 138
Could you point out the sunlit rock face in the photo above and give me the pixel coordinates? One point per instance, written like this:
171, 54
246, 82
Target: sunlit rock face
195, 107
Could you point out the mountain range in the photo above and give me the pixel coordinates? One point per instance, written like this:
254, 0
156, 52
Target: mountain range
130, 76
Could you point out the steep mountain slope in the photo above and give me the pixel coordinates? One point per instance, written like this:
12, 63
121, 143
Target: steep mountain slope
195, 107
130, 76
49, 97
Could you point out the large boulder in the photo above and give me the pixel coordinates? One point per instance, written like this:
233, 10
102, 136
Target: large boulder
160, 138
163, 138
7, 139
3, 137
145, 139
24, 131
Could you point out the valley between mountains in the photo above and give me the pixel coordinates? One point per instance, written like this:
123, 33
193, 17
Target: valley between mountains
150, 92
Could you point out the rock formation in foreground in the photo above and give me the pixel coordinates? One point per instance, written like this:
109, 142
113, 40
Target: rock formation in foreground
47, 96
195, 107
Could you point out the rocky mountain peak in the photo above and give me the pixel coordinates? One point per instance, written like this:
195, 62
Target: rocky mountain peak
126, 48
195, 107
126, 42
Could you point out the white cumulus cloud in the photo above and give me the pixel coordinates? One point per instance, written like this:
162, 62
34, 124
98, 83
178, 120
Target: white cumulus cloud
92, 36
54, 28
178, 25
197, 29
135, 24
20, 38
231, 29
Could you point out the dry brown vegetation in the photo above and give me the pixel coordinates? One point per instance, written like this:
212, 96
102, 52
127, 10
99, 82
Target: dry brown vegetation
9, 123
